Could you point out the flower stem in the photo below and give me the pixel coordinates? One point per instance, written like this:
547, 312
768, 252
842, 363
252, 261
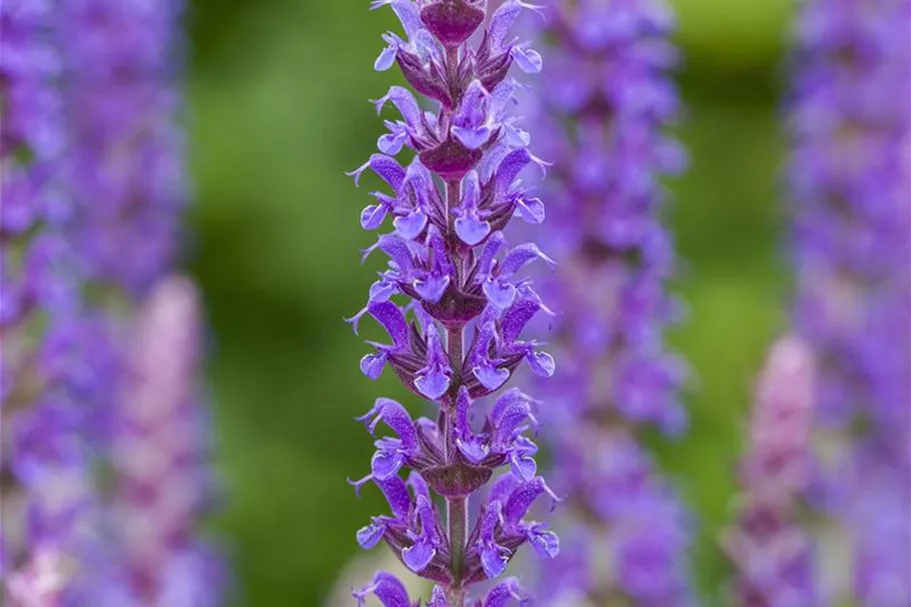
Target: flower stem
456, 507
457, 514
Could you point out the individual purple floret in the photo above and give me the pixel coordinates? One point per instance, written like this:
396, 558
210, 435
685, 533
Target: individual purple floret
850, 185
458, 339
602, 112
159, 464
771, 550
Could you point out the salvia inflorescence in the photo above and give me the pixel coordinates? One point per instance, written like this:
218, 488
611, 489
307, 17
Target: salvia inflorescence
457, 336
850, 182
92, 192
104, 477
603, 114
768, 544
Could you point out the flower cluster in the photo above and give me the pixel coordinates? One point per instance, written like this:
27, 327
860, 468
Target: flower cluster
771, 550
450, 257
850, 183
159, 460
46, 333
91, 189
125, 175
601, 113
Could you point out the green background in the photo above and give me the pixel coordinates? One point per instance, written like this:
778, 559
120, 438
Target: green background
278, 92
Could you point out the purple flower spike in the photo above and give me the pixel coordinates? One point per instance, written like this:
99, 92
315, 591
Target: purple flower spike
850, 183
769, 547
602, 115
452, 22
92, 188
458, 337
163, 479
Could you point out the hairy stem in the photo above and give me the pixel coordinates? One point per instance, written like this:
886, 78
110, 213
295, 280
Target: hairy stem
457, 514
456, 507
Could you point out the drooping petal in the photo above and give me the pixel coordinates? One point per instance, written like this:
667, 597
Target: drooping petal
387, 588
519, 257
372, 365
528, 59
406, 104
391, 317
370, 536
394, 415
386, 167
521, 499
504, 18
545, 542
505, 592
406, 11
530, 209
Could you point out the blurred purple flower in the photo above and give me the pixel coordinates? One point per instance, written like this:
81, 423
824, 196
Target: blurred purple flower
850, 183
121, 89
468, 304
163, 483
92, 187
603, 109
48, 338
771, 550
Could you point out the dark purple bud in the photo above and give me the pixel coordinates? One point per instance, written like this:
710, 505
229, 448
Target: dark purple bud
453, 21
455, 308
427, 81
450, 160
456, 480
491, 73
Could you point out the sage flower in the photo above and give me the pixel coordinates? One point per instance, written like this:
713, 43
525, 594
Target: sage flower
604, 106
850, 186
769, 545
458, 338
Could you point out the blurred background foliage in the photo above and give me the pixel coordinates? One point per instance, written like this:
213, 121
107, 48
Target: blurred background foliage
278, 91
